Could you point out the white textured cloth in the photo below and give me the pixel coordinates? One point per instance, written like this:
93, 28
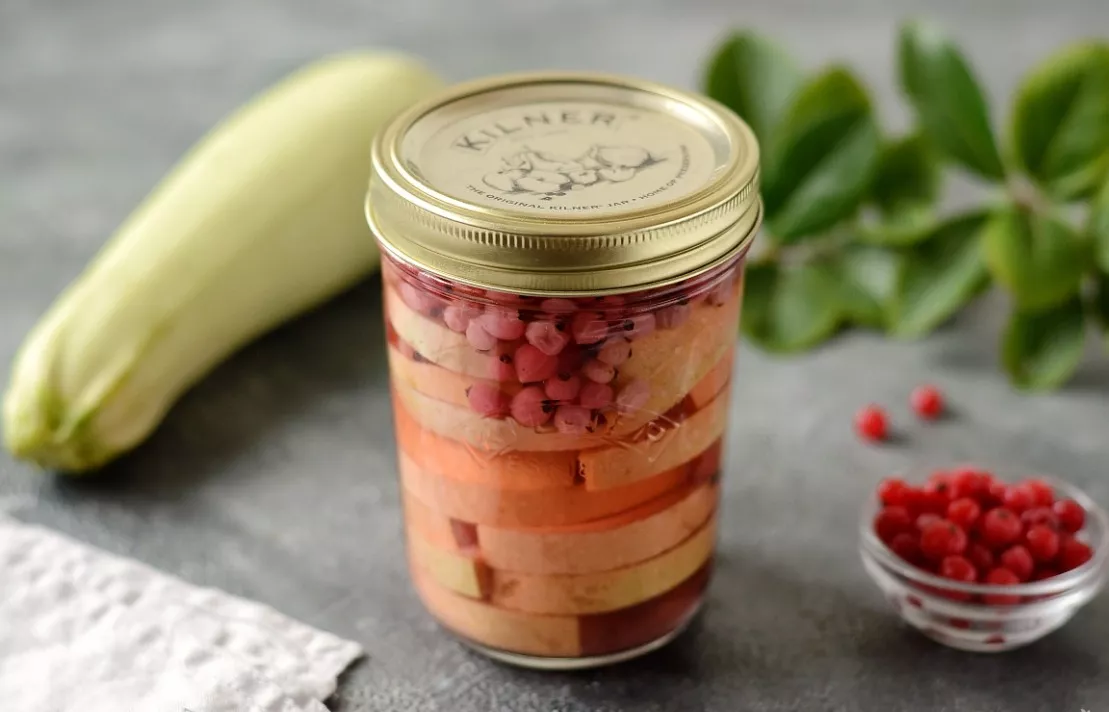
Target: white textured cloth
82, 630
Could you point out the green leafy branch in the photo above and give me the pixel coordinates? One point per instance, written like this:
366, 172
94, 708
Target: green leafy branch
856, 237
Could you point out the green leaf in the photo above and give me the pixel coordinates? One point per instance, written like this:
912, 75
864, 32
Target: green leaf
754, 77
867, 278
938, 277
1099, 306
822, 158
1041, 350
790, 308
1099, 226
1039, 258
907, 226
1060, 122
949, 104
1099, 302
904, 191
907, 174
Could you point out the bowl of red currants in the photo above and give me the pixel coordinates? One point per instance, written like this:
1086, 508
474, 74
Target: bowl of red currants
984, 564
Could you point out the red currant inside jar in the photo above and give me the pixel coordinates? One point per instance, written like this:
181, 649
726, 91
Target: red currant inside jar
563, 273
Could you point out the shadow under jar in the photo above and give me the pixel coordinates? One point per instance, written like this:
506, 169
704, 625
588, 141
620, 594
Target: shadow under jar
563, 274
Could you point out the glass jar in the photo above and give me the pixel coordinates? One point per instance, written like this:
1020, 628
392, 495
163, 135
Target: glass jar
563, 272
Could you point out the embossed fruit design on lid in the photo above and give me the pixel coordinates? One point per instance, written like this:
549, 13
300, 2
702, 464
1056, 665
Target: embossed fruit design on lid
568, 184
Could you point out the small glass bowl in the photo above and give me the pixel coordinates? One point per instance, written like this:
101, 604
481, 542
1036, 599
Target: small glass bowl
953, 613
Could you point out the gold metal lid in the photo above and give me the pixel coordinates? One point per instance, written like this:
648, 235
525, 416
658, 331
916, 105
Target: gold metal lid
565, 184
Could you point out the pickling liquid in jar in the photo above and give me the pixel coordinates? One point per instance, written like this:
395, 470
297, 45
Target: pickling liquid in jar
563, 273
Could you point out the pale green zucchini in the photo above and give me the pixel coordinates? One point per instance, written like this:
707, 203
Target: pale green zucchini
260, 221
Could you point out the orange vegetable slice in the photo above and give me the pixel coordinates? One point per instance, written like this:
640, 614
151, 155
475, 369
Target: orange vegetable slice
674, 361
607, 633
437, 382
714, 382
494, 435
553, 636
508, 470
563, 636
566, 594
611, 543
440, 345
660, 449
482, 504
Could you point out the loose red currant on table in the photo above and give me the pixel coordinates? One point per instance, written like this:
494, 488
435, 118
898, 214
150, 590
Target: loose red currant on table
1000, 527
927, 401
871, 423
892, 521
964, 512
1018, 560
942, 539
1001, 577
1071, 515
1042, 542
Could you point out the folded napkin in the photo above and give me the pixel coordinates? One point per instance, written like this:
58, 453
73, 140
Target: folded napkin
82, 630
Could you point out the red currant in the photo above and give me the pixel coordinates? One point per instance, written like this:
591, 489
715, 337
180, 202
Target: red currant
894, 492
1073, 553
892, 521
1042, 493
995, 493
942, 538
927, 401
907, 547
968, 482
1019, 498
871, 423
980, 556
914, 499
1001, 577
1043, 573
964, 512
935, 496
1039, 516
1072, 516
1018, 560
1042, 542
958, 568
1000, 527
923, 520
938, 477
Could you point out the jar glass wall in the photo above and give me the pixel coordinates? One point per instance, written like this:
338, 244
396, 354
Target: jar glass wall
559, 458
563, 272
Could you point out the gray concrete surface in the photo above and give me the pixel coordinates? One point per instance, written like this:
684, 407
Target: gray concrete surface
274, 478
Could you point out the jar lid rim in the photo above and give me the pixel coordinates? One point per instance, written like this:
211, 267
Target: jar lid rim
564, 183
